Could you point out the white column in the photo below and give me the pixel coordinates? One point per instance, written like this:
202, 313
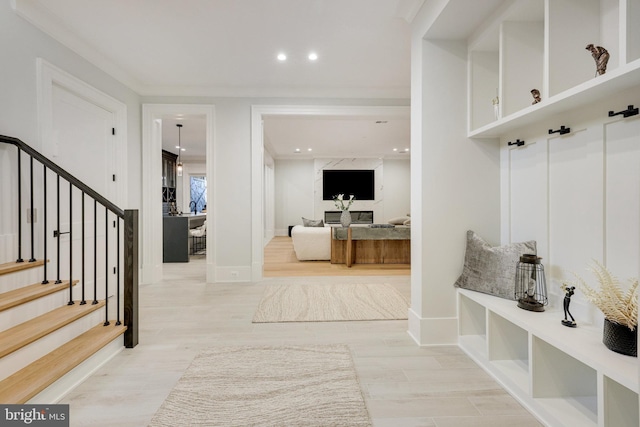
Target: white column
455, 186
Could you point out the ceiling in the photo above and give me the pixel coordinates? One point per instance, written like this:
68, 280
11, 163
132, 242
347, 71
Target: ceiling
228, 48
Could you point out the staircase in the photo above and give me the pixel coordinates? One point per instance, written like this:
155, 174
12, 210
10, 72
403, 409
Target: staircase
56, 332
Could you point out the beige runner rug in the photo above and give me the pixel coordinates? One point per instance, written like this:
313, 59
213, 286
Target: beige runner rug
267, 386
330, 302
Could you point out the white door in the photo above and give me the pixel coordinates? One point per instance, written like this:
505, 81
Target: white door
83, 141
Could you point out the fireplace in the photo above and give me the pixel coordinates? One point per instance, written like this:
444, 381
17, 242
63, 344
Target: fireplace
357, 217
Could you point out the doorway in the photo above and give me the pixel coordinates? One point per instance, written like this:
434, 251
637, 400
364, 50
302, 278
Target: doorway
258, 114
152, 146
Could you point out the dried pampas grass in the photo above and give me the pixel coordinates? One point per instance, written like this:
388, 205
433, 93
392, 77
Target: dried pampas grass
618, 305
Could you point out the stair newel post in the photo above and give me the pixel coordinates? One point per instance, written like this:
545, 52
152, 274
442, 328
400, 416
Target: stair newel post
44, 222
130, 308
70, 245
106, 266
83, 301
58, 229
95, 251
118, 322
33, 257
19, 207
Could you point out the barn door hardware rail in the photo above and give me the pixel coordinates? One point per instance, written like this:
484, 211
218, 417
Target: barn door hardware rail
630, 111
517, 143
563, 130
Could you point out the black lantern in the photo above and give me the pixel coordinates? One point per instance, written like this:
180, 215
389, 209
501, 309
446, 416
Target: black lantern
531, 287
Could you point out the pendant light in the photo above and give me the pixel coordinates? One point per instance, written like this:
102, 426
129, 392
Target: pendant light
179, 147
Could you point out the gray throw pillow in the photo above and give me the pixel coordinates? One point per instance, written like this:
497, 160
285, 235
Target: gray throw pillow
312, 222
492, 270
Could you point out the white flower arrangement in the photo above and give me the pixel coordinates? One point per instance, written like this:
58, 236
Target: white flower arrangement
618, 305
340, 202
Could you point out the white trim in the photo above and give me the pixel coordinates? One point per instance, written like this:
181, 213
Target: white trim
151, 215
433, 331
49, 75
257, 159
34, 13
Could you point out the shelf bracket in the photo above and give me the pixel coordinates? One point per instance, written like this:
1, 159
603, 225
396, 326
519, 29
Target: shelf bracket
630, 111
563, 130
517, 143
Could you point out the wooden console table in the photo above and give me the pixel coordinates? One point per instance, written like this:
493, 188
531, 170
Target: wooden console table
364, 245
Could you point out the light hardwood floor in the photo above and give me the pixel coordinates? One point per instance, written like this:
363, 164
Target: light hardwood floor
280, 261
403, 385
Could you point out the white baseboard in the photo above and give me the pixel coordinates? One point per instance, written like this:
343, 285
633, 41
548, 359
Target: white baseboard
433, 331
239, 273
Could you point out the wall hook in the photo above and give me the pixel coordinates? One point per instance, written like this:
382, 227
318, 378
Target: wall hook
518, 143
561, 131
630, 111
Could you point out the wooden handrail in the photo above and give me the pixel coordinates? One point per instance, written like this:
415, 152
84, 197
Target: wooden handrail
63, 173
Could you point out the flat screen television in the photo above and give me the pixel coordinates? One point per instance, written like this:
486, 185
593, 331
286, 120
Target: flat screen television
359, 182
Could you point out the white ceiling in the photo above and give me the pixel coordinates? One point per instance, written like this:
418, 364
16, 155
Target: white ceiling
229, 47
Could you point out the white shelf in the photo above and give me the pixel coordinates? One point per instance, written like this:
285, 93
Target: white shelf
559, 373
514, 374
586, 93
529, 44
569, 412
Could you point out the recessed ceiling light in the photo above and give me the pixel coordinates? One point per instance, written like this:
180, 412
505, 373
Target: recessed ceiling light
282, 57
395, 149
309, 149
313, 56
297, 150
406, 150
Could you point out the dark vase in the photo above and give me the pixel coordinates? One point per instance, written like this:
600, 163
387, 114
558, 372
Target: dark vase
620, 339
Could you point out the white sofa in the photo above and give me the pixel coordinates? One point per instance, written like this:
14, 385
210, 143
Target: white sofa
312, 243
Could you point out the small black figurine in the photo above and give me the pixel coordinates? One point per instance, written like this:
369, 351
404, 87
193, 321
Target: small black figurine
569, 290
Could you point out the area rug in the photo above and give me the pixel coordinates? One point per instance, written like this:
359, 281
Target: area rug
267, 386
330, 302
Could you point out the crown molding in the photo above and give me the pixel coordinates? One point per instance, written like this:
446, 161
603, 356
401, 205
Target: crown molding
41, 18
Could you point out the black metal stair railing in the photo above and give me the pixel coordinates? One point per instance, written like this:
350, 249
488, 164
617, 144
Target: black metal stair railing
125, 251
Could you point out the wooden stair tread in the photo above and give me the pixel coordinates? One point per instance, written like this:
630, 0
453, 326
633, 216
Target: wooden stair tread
12, 267
31, 380
25, 333
29, 293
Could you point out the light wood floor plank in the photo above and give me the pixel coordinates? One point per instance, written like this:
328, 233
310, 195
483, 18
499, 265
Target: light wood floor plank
280, 261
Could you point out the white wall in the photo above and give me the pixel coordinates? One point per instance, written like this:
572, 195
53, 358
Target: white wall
19, 113
455, 183
269, 197
578, 196
294, 187
397, 189
293, 193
